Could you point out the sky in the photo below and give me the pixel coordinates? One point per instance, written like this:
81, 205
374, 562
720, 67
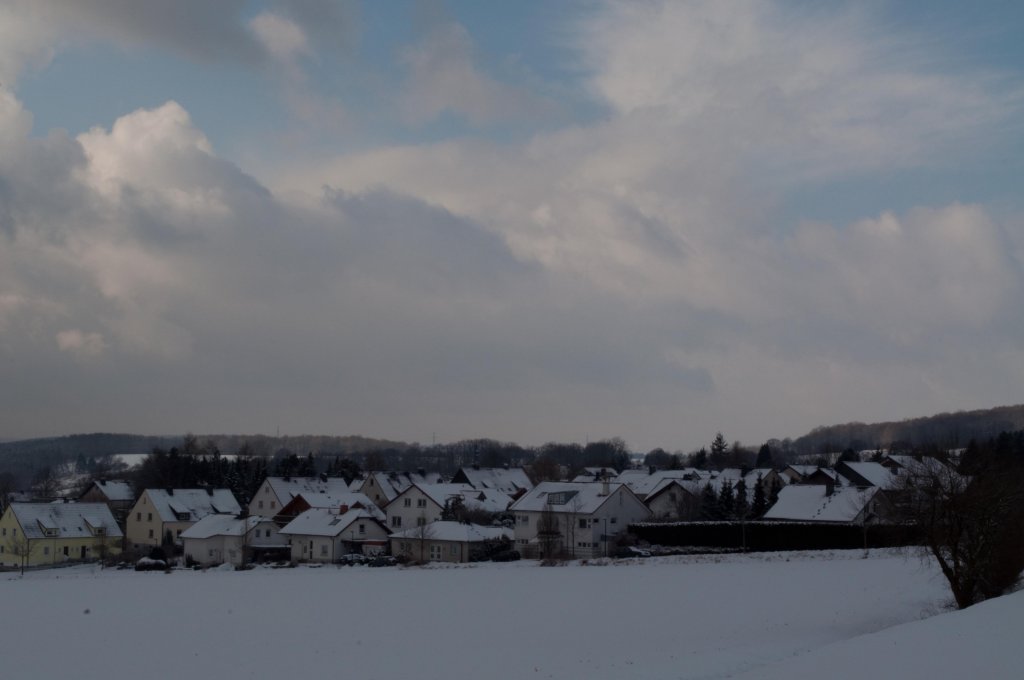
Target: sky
529, 221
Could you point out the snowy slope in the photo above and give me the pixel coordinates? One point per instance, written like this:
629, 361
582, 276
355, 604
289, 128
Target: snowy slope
695, 617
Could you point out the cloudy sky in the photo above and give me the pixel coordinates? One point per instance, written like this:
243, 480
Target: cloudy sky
531, 221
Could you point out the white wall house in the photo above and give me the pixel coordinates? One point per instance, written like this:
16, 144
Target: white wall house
384, 487
276, 492
421, 504
447, 541
230, 539
326, 534
574, 519
160, 513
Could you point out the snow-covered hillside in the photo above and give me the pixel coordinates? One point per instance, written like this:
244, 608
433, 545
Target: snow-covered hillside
782, 615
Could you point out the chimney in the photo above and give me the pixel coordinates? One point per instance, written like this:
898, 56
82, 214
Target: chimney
421, 472
830, 488
323, 476
342, 509
605, 486
209, 491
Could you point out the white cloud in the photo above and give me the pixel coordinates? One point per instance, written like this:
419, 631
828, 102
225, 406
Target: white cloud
82, 344
283, 38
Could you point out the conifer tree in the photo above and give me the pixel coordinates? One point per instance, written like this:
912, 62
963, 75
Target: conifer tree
726, 500
708, 503
741, 506
760, 504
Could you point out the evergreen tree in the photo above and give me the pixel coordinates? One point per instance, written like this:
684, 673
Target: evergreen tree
726, 500
760, 504
742, 508
773, 494
764, 457
699, 460
708, 503
719, 448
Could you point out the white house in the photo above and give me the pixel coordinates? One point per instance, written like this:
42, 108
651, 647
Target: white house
511, 481
162, 514
578, 519
448, 541
231, 539
423, 503
276, 492
34, 534
325, 534
828, 504
384, 487
337, 501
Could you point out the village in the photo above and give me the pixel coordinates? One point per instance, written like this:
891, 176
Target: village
477, 514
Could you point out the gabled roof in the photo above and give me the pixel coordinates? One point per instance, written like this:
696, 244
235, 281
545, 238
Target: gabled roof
751, 477
571, 497
198, 503
875, 474
456, 531
337, 500
488, 500
510, 481
326, 522
114, 490
68, 520
394, 483
288, 488
645, 484
689, 486
439, 493
813, 503
224, 525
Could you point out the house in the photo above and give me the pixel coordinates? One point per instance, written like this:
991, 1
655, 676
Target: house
276, 492
325, 534
161, 515
35, 534
421, 504
795, 474
573, 518
768, 478
305, 501
595, 474
643, 483
450, 542
674, 499
116, 493
232, 539
864, 475
384, 487
829, 504
513, 482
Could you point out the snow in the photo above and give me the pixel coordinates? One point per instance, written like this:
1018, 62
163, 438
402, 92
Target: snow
70, 520
456, 531
194, 503
814, 503
791, 615
223, 525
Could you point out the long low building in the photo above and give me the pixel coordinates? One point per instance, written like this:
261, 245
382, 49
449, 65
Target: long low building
36, 534
449, 541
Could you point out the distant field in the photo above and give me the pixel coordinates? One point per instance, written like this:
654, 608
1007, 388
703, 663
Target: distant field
694, 617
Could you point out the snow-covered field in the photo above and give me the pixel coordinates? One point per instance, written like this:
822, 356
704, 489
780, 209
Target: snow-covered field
757, 616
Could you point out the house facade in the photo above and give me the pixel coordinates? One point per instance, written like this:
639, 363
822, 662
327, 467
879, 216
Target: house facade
326, 534
36, 534
231, 539
449, 542
574, 519
161, 515
421, 504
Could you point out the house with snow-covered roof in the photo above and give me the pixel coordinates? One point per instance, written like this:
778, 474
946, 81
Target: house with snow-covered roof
276, 492
36, 534
384, 487
868, 474
161, 515
421, 504
511, 481
577, 519
233, 539
338, 501
829, 504
450, 542
326, 534
116, 493
674, 499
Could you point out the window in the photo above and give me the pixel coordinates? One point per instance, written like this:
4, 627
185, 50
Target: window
396, 521
421, 502
65, 551
323, 550
583, 524
149, 517
613, 520
407, 502
179, 532
524, 520
260, 505
151, 533
268, 533
138, 517
1, 550
211, 552
46, 550
454, 550
5, 531
273, 504
421, 521
362, 528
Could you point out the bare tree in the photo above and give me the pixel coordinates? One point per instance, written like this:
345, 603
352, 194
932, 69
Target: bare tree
972, 526
549, 535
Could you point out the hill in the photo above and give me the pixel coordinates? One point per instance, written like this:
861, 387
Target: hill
949, 430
